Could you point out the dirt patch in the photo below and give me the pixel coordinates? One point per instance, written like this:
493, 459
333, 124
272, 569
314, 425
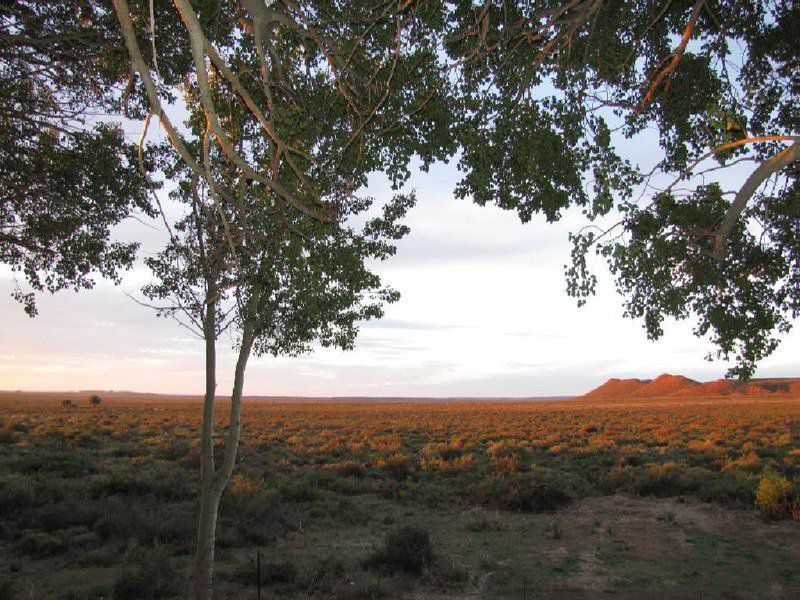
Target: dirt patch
629, 547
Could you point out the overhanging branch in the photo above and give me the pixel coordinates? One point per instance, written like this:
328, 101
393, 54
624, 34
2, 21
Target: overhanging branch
766, 169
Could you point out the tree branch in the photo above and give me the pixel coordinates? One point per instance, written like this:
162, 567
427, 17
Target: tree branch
676, 56
767, 168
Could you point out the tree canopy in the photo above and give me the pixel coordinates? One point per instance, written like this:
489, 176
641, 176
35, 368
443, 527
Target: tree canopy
68, 174
539, 101
552, 93
290, 108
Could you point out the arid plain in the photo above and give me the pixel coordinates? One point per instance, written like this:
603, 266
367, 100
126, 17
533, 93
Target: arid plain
666, 489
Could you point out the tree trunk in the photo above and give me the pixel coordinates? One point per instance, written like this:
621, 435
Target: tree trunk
213, 482
204, 555
209, 504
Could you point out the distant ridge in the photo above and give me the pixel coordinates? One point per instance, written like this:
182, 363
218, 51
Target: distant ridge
678, 386
665, 385
617, 388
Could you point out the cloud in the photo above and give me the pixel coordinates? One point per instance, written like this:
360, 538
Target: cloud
388, 323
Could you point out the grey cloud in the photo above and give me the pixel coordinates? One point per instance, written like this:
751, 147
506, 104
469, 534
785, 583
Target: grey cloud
408, 325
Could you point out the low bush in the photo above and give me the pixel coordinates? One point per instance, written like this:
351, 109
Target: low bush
62, 515
349, 468
525, 492
406, 549
259, 518
146, 522
278, 572
39, 544
668, 479
8, 589
161, 483
397, 466
728, 490
15, 493
153, 578
305, 488
482, 522
325, 577
774, 496
7, 433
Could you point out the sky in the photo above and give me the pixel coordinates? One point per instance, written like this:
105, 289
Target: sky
483, 313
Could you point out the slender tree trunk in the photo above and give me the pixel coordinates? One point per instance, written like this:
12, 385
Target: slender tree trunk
206, 534
204, 553
213, 482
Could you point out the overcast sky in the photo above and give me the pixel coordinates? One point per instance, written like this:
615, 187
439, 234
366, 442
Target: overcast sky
483, 313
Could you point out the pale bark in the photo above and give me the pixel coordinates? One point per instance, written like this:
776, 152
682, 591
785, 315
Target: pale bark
766, 169
204, 553
213, 481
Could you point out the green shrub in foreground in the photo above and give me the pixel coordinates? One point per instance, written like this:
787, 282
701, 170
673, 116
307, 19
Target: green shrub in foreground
406, 549
153, 578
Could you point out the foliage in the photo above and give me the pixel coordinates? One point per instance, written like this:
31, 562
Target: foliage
152, 578
68, 175
774, 495
407, 549
40, 544
552, 93
8, 588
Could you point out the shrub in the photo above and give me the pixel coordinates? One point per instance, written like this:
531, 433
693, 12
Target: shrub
15, 493
161, 483
484, 523
278, 572
242, 485
505, 464
668, 479
524, 493
325, 577
8, 590
728, 490
397, 465
7, 434
259, 518
304, 489
126, 520
61, 515
40, 544
774, 496
349, 468
95, 400
153, 578
406, 549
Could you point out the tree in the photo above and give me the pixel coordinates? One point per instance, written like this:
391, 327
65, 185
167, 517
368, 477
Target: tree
292, 106
68, 175
551, 92
287, 283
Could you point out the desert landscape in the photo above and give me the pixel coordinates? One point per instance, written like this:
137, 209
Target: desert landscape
365, 240
665, 488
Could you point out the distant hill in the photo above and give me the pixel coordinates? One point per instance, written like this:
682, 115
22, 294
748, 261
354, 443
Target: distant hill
617, 388
665, 385
678, 386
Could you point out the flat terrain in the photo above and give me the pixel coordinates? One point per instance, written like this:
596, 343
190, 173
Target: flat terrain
628, 498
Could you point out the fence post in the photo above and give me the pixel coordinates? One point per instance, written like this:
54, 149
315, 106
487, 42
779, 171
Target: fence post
258, 572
